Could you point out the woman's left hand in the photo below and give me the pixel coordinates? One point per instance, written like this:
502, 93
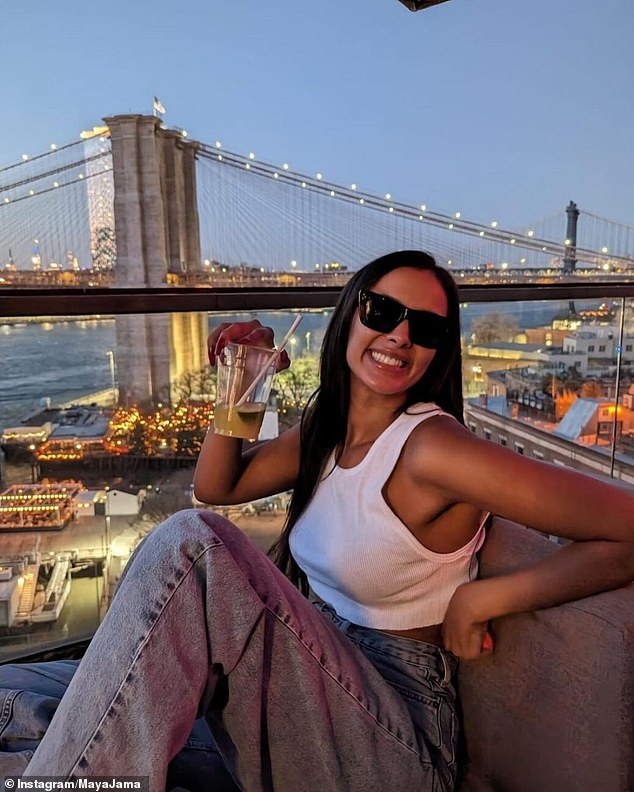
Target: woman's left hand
464, 631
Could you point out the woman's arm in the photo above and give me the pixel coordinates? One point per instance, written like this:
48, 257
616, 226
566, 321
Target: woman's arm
226, 475
555, 500
599, 516
577, 570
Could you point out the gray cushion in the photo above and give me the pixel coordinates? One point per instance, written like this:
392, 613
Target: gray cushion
553, 708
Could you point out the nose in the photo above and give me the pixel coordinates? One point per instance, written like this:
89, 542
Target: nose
399, 336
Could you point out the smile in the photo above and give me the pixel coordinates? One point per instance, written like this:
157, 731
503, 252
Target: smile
386, 360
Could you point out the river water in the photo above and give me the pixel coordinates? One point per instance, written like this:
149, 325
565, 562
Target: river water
64, 360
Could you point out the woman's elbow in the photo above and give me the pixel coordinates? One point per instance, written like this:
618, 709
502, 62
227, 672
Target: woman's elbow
204, 493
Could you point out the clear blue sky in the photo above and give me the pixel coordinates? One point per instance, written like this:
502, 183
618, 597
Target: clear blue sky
502, 109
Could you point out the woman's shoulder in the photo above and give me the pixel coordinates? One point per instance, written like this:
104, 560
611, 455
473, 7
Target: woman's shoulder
435, 431
423, 413
423, 409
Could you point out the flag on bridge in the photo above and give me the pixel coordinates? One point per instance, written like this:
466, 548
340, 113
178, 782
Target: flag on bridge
157, 106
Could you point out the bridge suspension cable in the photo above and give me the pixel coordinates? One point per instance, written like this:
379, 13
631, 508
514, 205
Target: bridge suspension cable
54, 150
69, 220
546, 250
251, 209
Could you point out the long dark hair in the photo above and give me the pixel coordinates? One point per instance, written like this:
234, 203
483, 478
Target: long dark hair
325, 418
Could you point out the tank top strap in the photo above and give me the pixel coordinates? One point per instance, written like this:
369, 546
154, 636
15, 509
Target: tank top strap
387, 448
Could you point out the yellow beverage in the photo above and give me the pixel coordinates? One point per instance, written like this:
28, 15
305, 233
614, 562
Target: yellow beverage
244, 421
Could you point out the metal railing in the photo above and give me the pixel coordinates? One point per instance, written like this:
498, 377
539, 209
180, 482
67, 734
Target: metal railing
77, 302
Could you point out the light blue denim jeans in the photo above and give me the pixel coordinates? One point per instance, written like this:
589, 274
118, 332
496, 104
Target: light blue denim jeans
203, 626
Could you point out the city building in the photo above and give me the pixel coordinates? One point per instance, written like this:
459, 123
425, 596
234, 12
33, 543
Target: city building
38, 507
100, 191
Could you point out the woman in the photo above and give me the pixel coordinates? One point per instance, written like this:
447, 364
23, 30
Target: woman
352, 690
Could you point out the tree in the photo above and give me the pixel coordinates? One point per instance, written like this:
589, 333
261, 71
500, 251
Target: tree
297, 383
198, 386
494, 327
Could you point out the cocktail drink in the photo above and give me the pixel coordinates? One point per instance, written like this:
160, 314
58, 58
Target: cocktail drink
237, 415
244, 421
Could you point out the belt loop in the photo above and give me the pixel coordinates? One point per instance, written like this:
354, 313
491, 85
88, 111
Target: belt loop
344, 625
446, 678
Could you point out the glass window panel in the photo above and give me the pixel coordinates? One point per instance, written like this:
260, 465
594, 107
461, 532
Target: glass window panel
102, 418
542, 376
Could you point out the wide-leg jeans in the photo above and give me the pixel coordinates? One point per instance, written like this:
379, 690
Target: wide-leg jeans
203, 625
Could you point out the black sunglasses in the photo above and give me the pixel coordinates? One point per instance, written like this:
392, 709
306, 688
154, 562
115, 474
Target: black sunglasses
382, 314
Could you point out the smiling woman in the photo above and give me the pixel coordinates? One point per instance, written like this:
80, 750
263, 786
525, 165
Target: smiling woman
391, 500
391, 343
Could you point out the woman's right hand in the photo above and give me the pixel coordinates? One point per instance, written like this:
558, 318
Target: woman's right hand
252, 332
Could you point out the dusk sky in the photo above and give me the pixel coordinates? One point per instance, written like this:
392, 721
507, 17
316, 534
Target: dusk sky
502, 109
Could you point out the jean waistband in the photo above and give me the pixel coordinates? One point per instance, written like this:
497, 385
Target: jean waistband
408, 649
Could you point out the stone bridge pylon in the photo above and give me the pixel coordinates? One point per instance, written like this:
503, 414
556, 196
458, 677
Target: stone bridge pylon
157, 233
155, 204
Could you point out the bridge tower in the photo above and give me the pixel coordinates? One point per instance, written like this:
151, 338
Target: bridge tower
155, 204
570, 247
157, 234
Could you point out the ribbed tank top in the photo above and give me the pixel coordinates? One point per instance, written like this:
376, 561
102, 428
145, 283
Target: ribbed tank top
361, 559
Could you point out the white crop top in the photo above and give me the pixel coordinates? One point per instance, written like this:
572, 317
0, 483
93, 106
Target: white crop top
361, 559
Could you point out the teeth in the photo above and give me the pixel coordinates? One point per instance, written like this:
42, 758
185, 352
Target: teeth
380, 357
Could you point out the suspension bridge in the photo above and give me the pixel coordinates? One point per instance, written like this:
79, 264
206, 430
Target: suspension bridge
134, 203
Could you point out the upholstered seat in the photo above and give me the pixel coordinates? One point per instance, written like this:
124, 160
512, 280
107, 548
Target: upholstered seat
552, 709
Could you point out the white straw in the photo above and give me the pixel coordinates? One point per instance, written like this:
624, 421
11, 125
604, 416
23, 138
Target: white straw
272, 360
